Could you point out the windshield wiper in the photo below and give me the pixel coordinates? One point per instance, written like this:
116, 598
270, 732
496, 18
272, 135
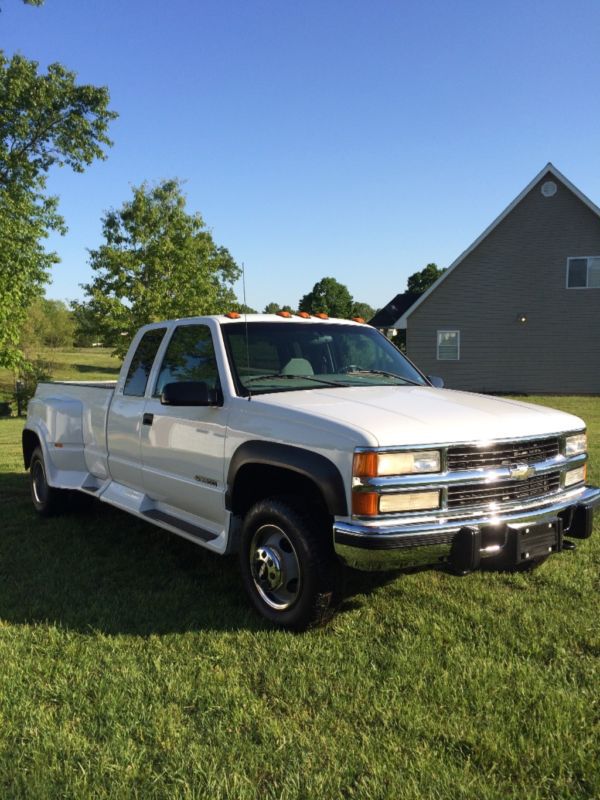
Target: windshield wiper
273, 375
385, 375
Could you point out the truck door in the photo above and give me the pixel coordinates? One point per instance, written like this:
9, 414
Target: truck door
183, 447
125, 413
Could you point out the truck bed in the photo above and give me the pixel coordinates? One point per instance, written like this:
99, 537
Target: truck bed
72, 416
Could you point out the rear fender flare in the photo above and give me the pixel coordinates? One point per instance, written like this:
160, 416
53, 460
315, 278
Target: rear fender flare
39, 432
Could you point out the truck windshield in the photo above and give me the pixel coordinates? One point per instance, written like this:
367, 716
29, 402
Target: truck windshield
280, 357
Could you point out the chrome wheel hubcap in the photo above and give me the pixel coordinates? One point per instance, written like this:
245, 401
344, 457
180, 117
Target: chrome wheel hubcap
40, 488
268, 568
275, 567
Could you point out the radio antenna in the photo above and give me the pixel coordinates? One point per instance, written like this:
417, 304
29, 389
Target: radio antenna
246, 324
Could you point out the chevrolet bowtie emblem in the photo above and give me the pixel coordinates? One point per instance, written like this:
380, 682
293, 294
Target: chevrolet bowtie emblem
521, 471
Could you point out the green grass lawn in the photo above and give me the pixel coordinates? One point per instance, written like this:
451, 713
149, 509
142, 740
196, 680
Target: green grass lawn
132, 666
75, 364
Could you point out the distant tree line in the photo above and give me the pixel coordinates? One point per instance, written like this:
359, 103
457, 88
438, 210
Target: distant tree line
58, 324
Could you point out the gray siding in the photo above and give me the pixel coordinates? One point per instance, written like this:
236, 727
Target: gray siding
519, 268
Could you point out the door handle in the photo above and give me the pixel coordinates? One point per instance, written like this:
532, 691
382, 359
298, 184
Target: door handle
148, 419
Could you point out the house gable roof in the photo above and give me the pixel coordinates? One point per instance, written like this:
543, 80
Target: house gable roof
548, 169
387, 316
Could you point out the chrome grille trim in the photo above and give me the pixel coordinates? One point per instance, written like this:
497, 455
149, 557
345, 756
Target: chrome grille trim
503, 491
466, 457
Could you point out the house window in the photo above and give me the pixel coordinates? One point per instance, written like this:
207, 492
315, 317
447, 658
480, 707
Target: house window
448, 345
583, 273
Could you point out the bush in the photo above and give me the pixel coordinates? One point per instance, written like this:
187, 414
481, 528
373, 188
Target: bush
49, 323
30, 374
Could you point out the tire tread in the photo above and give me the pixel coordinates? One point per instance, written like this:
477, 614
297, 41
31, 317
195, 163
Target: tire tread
320, 558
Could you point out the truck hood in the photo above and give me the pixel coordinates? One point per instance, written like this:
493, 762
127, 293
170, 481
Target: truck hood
395, 415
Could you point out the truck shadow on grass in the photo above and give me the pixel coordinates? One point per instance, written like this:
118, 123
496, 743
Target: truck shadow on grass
96, 569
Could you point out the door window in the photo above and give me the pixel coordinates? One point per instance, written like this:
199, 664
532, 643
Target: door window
141, 363
190, 356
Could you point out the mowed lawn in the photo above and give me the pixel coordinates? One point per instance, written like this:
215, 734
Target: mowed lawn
79, 364
132, 666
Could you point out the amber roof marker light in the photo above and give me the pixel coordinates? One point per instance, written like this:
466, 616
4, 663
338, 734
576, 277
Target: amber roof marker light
285, 314
321, 315
303, 314
233, 315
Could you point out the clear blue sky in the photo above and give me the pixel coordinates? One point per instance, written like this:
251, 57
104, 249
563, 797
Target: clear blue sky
354, 139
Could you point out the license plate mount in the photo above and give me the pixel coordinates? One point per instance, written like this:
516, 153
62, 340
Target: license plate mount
528, 542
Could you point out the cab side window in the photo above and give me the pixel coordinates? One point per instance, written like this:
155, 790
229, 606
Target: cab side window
141, 363
190, 356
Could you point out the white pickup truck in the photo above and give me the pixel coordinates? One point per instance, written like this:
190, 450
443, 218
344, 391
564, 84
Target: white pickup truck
300, 442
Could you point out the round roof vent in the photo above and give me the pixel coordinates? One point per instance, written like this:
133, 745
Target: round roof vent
549, 189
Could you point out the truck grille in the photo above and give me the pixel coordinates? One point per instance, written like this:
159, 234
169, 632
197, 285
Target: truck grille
501, 454
503, 491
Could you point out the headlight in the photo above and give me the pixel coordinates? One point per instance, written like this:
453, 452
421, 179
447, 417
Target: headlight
574, 476
373, 464
574, 445
370, 504
409, 501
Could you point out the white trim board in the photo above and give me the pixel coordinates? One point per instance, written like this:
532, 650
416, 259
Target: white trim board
401, 321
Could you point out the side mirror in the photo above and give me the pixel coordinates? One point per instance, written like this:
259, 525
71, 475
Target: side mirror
436, 381
190, 393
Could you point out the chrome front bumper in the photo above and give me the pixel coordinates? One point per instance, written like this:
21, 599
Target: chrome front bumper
380, 547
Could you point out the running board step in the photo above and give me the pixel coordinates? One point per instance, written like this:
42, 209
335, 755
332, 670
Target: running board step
185, 527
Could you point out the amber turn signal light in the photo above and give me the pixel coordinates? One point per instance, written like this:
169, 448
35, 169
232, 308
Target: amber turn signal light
365, 504
365, 465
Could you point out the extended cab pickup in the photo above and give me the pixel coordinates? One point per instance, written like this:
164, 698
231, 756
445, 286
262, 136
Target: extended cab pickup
300, 442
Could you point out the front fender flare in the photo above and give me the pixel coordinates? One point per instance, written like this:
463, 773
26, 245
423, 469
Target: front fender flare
313, 466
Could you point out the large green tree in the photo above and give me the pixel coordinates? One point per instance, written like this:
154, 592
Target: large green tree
25, 219
49, 323
420, 281
45, 120
157, 262
328, 296
86, 332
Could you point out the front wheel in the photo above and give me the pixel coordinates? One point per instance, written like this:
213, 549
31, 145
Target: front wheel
288, 566
47, 500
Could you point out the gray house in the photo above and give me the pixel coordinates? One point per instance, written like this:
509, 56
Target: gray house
519, 310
